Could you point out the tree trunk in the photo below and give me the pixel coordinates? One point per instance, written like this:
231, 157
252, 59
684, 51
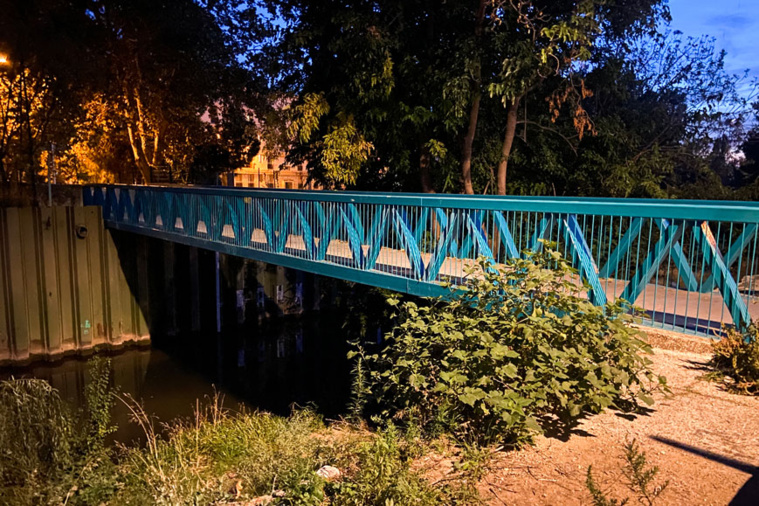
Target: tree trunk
424, 171
139, 158
508, 142
424, 157
466, 149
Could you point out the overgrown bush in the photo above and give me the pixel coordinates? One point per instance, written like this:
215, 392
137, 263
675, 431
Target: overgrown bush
736, 360
512, 351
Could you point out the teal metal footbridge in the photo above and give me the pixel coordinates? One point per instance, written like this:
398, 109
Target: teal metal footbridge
690, 265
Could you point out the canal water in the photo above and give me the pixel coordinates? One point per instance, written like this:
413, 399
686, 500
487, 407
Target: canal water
272, 367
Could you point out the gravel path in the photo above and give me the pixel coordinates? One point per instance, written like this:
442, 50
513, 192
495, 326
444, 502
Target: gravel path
704, 440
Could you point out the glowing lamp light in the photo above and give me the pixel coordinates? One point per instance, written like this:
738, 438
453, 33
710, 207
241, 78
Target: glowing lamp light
3, 59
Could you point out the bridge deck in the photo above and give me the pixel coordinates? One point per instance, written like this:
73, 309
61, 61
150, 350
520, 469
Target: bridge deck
690, 265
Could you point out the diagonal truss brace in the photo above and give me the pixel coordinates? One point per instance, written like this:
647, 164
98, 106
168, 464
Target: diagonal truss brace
582, 257
625, 244
733, 253
721, 275
670, 235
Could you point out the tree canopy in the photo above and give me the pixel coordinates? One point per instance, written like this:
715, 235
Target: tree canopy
565, 97
142, 86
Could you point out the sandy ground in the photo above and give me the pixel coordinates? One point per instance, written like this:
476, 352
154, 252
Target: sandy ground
704, 439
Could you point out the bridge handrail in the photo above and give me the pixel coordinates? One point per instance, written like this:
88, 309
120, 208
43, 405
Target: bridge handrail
699, 210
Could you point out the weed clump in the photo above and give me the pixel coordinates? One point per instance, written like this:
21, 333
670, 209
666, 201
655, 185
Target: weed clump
221, 456
382, 475
514, 350
640, 478
735, 360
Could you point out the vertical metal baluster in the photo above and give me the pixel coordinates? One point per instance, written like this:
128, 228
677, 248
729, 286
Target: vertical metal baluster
742, 245
593, 241
693, 253
753, 271
610, 275
667, 283
677, 292
626, 256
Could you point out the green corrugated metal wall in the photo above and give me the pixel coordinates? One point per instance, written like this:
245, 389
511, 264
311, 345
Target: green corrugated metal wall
60, 291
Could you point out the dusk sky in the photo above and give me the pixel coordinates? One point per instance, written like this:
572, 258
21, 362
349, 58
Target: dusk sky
734, 23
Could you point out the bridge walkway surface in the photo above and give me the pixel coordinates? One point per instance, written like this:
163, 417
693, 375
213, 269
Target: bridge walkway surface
690, 265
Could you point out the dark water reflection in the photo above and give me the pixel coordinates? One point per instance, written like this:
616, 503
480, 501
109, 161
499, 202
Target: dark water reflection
270, 367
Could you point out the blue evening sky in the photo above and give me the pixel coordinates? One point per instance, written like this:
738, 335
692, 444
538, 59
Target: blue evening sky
734, 23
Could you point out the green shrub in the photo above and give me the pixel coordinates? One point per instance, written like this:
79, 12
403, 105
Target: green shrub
736, 357
514, 350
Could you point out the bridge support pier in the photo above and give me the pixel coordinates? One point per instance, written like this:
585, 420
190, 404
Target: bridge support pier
169, 289
194, 294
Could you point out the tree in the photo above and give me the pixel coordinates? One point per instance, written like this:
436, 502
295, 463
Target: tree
363, 103
395, 88
49, 67
159, 78
170, 65
660, 105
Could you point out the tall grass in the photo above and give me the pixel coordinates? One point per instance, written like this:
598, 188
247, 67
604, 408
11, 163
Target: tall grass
37, 441
220, 455
50, 454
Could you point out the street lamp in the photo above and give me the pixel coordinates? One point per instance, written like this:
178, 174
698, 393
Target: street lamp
3, 59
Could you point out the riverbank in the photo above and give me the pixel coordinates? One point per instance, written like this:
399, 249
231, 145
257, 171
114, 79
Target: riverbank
298, 361
702, 438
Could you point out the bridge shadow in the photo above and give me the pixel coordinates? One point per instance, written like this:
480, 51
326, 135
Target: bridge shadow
748, 495
677, 322
263, 356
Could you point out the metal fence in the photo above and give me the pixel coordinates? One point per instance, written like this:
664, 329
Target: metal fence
690, 265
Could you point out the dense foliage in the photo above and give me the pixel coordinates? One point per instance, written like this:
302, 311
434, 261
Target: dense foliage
570, 97
513, 352
736, 359
122, 90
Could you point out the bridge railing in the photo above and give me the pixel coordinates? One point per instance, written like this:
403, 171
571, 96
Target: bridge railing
691, 265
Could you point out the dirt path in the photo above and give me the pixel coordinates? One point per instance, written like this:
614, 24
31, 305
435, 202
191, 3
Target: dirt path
704, 440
